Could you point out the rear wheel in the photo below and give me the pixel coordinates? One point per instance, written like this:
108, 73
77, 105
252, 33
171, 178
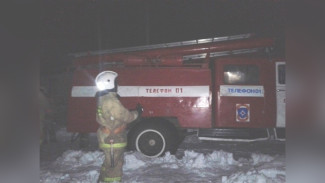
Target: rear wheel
153, 139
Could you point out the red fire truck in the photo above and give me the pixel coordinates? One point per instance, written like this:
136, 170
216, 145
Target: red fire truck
223, 88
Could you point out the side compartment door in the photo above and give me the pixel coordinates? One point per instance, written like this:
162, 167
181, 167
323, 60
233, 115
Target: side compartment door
280, 94
245, 93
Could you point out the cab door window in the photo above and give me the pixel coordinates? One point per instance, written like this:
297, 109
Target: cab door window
281, 74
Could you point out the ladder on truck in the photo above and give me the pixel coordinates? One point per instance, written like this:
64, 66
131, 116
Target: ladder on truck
187, 50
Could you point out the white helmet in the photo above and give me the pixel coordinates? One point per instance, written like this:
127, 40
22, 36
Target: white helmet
106, 80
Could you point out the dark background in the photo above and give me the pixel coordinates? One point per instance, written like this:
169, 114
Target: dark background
79, 25
47, 32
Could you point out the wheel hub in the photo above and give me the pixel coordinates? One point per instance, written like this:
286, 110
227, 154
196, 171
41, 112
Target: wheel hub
152, 142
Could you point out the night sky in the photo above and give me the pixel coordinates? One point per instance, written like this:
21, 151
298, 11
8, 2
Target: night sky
79, 26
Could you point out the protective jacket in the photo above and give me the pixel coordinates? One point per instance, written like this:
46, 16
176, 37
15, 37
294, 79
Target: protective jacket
112, 117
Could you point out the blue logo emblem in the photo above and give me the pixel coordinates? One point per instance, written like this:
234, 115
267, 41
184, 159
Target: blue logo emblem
242, 113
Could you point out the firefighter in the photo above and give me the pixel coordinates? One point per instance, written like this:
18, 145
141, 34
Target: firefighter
112, 117
44, 111
47, 125
43, 105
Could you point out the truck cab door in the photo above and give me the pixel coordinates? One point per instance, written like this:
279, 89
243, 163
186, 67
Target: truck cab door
280, 94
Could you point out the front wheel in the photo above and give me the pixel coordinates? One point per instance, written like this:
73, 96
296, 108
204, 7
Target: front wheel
153, 139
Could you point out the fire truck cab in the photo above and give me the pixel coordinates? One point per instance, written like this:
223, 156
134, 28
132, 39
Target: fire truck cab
225, 88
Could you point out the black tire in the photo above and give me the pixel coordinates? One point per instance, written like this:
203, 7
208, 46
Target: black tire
153, 138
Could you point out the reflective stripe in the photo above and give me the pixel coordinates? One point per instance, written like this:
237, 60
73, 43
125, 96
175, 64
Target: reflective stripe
116, 145
99, 111
112, 179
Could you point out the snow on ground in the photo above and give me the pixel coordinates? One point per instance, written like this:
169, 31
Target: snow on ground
211, 164
219, 166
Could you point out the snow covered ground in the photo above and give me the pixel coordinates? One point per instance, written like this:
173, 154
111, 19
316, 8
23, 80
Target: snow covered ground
195, 161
